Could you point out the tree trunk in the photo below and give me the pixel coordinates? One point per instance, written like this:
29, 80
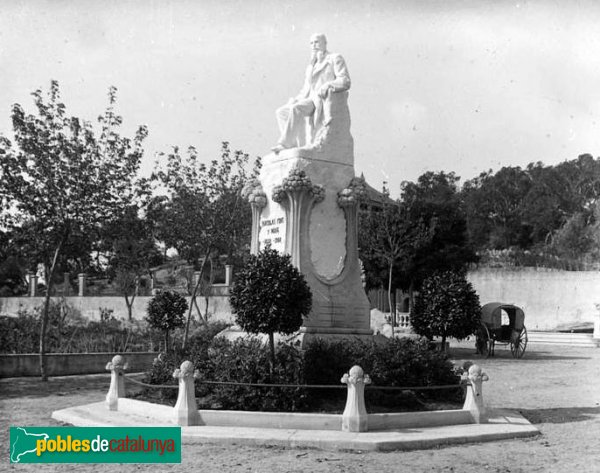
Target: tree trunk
392, 309
129, 304
203, 318
194, 292
45, 314
272, 347
443, 347
166, 341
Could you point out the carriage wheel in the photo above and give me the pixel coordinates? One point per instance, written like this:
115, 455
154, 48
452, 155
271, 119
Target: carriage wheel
518, 343
483, 341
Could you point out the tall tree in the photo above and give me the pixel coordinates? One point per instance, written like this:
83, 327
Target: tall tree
61, 181
203, 213
494, 204
134, 252
526, 208
435, 197
389, 239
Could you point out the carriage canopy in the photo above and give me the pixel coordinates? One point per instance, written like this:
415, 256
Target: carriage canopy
491, 315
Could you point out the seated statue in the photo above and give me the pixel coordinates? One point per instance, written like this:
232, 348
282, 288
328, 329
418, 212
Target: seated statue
302, 119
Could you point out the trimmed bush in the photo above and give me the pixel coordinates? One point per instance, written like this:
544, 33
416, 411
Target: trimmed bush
162, 369
270, 295
166, 312
247, 360
395, 362
446, 306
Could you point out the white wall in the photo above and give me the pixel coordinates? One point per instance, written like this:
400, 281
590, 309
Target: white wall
89, 306
550, 298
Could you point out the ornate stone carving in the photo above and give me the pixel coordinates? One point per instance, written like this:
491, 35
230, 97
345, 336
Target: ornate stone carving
185, 410
117, 383
117, 363
355, 417
297, 194
353, 194
185, 370
253, 192
297, 181
474, 399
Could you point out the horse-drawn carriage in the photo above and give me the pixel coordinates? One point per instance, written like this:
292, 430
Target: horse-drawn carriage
501, 323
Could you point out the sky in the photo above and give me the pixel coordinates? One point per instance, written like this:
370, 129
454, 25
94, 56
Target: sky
452, 85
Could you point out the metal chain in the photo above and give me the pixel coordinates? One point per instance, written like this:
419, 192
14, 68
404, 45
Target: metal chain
140, 383
305, 386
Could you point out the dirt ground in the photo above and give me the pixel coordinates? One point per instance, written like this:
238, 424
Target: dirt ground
556, 388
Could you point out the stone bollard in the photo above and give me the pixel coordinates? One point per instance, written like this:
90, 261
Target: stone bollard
474, 399
355, 417
186, 411
117, 382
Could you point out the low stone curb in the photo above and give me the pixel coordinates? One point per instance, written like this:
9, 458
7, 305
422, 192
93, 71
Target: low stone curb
502, 425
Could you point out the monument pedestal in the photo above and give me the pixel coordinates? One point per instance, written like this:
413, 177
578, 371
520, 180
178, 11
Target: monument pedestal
305, 204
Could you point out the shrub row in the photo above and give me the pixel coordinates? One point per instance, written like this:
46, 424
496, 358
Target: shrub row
69, 332
396, 362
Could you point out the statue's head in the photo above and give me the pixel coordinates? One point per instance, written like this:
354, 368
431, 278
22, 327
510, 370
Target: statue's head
318, 42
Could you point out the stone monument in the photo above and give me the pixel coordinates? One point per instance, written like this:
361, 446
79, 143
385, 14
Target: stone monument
305, 201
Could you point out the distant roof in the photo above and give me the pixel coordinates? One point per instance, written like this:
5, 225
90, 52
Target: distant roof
375, 197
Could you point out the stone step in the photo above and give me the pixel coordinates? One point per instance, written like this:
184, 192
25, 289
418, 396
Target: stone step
560, 338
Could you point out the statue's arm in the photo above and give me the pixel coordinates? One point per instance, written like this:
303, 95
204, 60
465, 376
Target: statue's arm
342, 76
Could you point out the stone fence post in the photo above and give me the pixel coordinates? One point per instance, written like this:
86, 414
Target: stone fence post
186, 410
196, 278
81, 279
117, 382
33, 279
66, 284
228, 274
596, 334
474, 399
355, 417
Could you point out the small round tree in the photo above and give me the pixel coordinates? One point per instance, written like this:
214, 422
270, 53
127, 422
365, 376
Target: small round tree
270, 295
446, 306
166, 312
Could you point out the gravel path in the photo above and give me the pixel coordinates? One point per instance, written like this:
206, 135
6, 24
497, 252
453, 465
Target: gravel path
557, 388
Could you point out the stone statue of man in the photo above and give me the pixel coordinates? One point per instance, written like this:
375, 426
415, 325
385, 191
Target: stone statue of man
301, 118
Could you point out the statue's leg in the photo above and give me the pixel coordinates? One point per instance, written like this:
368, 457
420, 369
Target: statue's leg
292, 123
